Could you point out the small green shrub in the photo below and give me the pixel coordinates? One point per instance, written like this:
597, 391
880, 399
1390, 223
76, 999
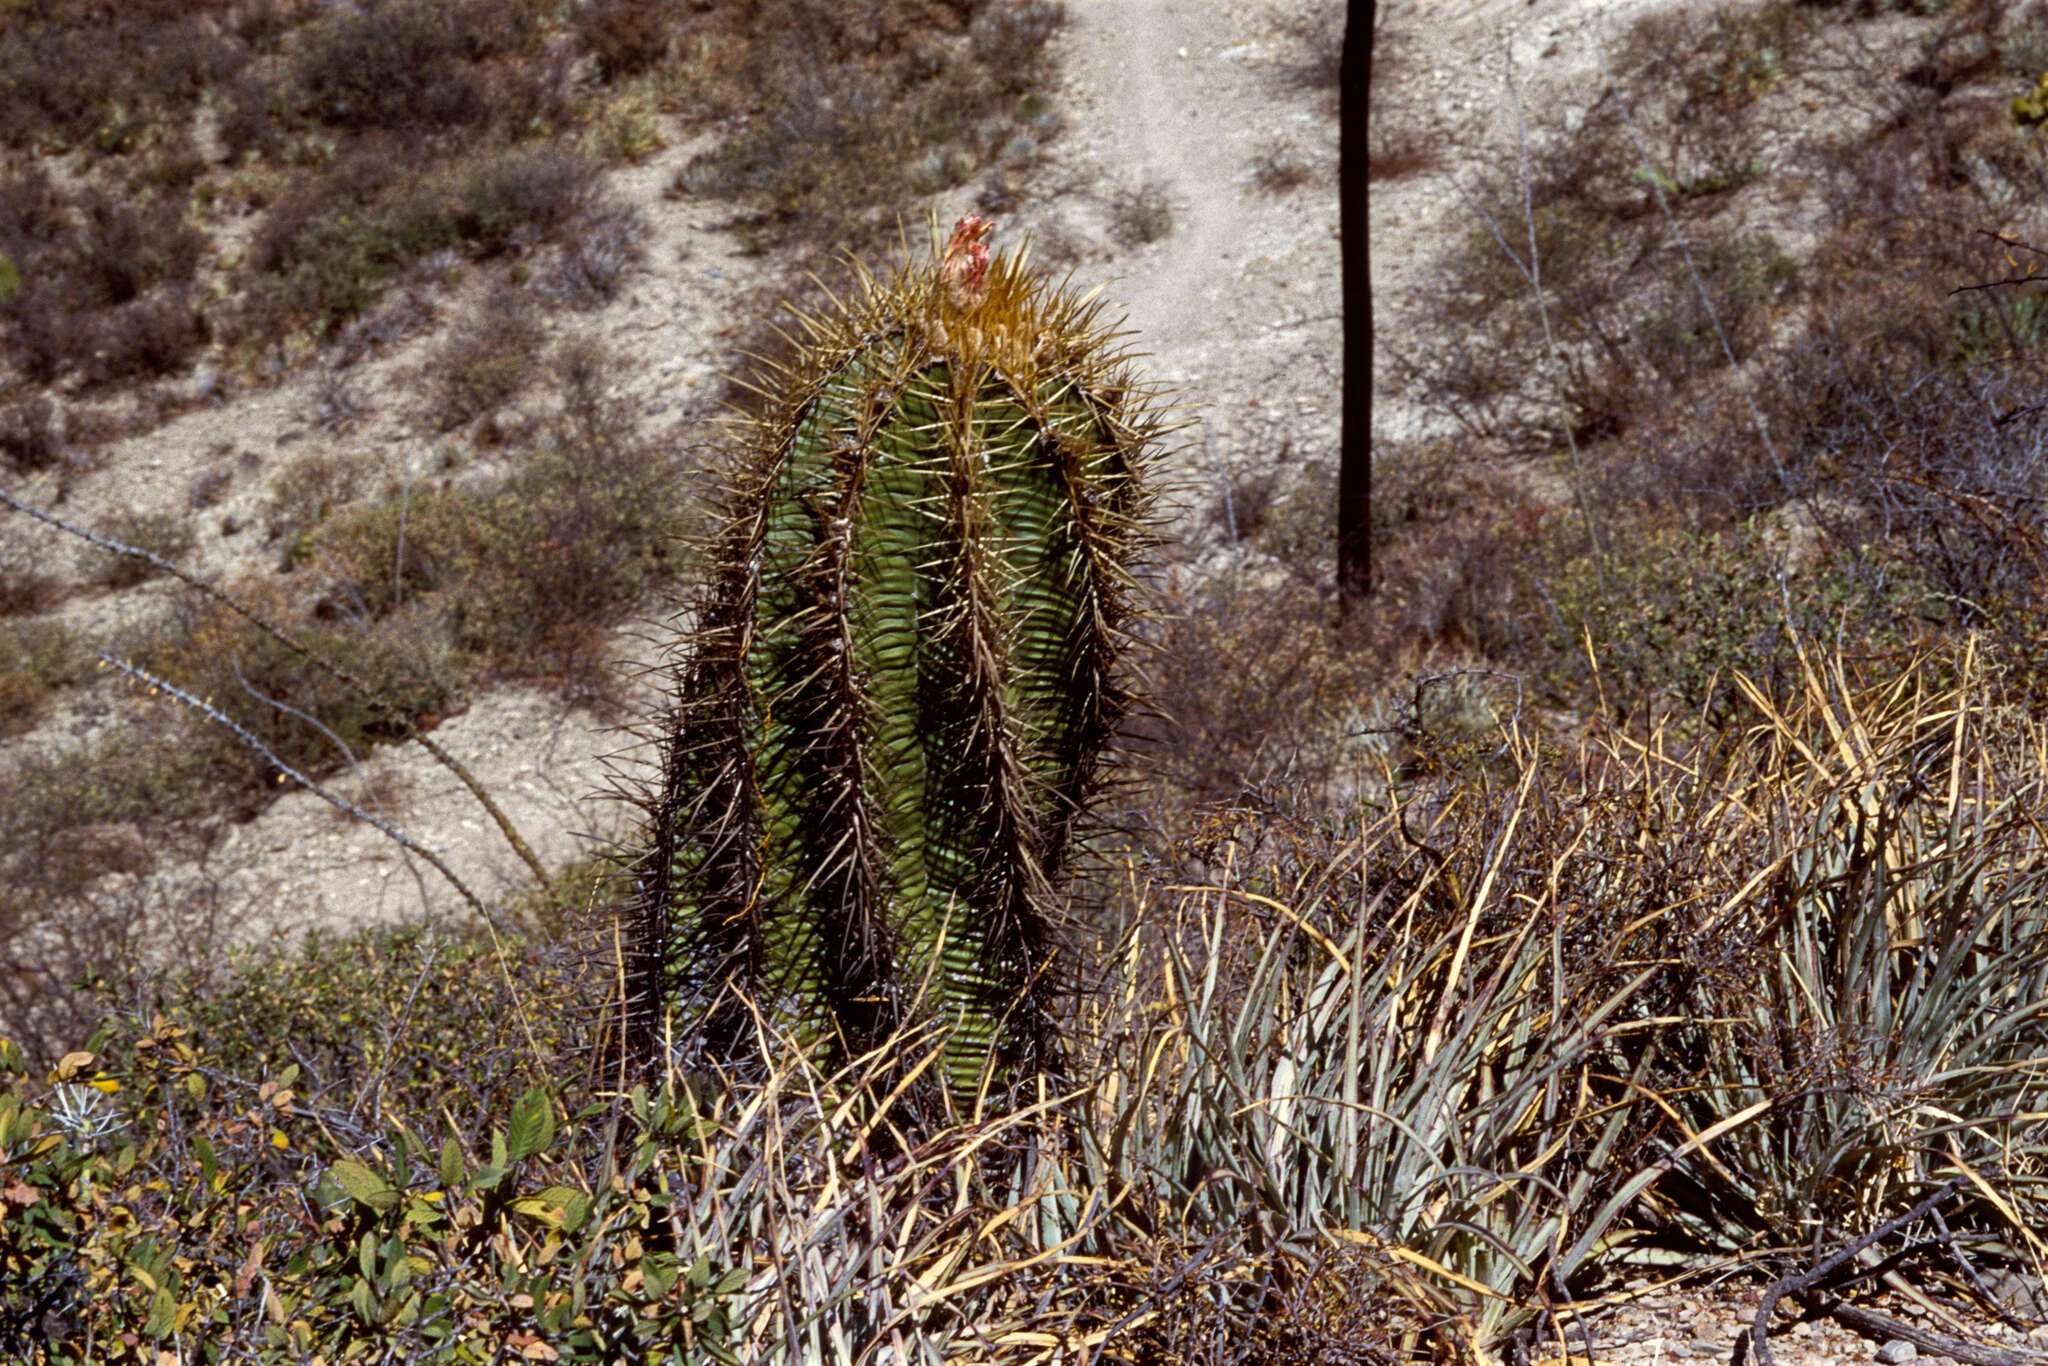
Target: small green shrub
1998, 327
1672, 614
1681, 336
302, 495
1745, 53
406, 1017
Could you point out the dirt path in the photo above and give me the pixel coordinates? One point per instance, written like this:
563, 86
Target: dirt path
1164, 105
1233, 307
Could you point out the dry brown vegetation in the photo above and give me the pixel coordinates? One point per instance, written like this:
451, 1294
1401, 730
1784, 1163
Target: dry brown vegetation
1653, 868
236, 190
1879, 410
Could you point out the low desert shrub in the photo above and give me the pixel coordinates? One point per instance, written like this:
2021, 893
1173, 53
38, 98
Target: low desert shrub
833, 109
406, 64
528, 575
144, 771
328, 249
627, 37
307, 717
596, 258
26, 590
486, 361
1140, 214
106, 281
1672, 615
82, 76
37, 658
409, 1018
303, 494
1254, 685
167, 535
28, 434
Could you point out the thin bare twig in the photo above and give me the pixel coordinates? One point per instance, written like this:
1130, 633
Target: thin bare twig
270, 756
1806, 1288
340, 672
486, 911
1534, 274
1699, 283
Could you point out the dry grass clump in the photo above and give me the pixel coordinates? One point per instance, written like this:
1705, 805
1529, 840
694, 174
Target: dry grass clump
37, 658
1140, 214
1280, 166
1379, 1083
839, 106
1316, 35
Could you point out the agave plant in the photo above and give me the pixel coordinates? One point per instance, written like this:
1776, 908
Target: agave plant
903, 676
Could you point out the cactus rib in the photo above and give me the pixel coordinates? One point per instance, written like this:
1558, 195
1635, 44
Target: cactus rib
905, 671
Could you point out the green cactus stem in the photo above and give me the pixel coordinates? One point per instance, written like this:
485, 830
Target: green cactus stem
904, 674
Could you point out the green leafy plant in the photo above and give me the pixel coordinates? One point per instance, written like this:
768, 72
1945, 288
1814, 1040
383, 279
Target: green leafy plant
904, 673
2032, 108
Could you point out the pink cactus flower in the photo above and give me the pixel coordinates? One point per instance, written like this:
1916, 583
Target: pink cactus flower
965, 269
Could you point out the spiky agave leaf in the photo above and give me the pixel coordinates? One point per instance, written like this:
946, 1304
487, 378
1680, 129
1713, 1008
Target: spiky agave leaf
905, 672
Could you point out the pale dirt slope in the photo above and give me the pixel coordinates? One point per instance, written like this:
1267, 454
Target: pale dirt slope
1234, 306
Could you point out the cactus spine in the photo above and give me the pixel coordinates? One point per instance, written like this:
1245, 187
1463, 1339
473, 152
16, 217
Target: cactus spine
903, 675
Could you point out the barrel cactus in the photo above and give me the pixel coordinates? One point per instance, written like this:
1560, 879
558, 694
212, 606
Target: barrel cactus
894, 703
